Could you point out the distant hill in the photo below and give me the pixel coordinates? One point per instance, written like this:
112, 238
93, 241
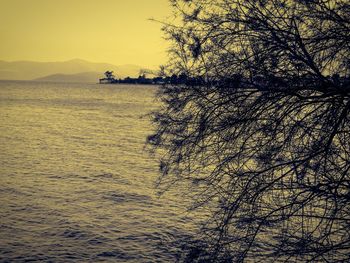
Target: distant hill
84, 77
76, 69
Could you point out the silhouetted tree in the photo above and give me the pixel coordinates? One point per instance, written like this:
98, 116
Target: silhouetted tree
264, 139
109, 75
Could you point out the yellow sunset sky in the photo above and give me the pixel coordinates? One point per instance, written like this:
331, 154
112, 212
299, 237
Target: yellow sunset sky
112, 31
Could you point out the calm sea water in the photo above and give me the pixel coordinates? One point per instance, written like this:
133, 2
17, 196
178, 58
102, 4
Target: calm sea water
76, 183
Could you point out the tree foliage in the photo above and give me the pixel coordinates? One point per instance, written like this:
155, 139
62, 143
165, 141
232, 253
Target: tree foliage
265, 136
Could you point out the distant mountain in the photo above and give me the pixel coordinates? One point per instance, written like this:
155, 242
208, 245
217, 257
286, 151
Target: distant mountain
29, 70
84, 77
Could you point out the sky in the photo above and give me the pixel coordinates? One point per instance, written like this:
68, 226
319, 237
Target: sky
111, 31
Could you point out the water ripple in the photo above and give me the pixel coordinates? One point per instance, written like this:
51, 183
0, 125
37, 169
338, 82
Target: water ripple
76, 184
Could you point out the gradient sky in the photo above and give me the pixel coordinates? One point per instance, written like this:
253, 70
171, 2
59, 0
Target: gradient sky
113, 31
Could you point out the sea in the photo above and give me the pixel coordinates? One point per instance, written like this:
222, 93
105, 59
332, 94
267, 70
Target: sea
77, 182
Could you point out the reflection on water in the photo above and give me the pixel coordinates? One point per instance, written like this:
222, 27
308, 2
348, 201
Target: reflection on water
76, 183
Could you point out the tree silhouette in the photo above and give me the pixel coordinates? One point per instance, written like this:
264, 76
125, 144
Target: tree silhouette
109, 75
263, 141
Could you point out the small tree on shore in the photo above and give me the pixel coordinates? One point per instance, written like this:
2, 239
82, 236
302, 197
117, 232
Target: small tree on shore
266, 136
109, 75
